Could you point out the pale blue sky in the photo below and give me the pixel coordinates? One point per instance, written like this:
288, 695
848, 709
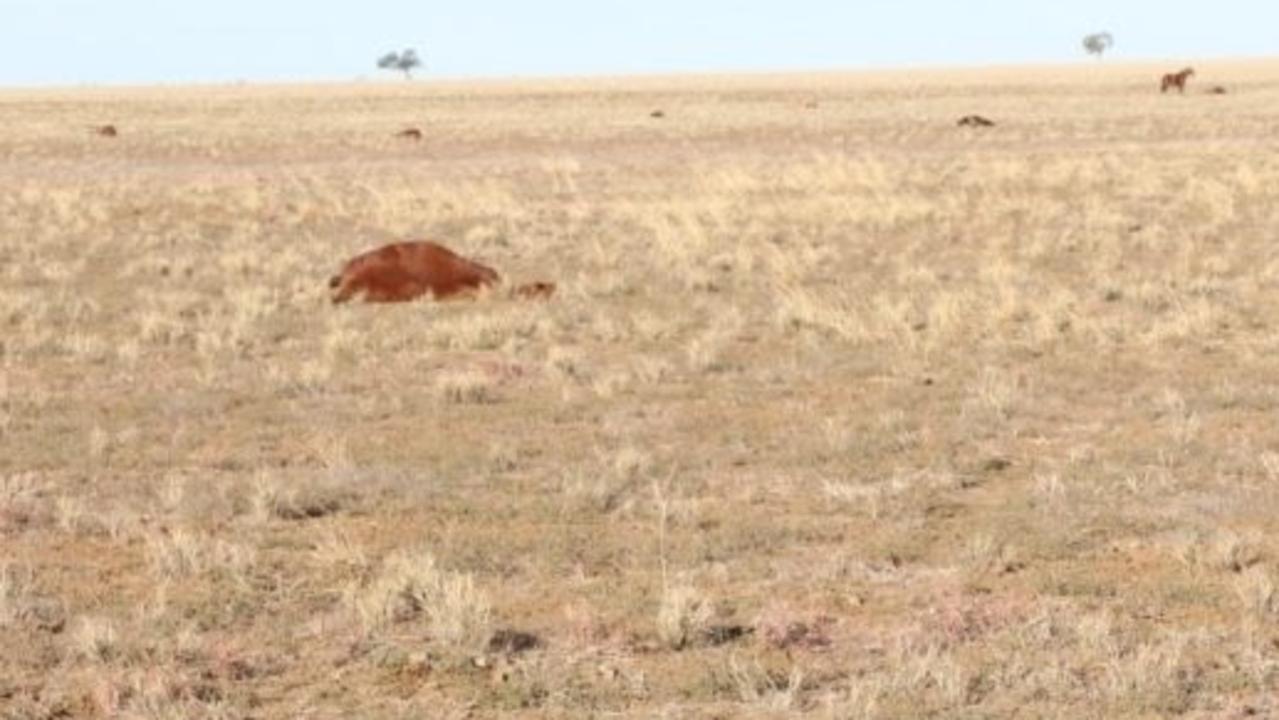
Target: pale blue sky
175, 41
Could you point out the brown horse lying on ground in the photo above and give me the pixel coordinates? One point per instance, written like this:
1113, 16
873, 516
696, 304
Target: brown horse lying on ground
1176, 80
405, 271
975, 121
409, 134
105, 130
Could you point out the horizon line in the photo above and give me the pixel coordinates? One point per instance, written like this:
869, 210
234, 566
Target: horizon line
485, 78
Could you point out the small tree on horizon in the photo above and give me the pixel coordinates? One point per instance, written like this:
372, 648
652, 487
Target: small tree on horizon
1098, 43
405, 62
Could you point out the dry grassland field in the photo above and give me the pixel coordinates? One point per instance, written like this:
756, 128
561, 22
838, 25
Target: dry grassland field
841, 410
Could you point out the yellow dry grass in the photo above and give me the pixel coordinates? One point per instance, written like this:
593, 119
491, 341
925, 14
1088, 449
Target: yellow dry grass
842, 410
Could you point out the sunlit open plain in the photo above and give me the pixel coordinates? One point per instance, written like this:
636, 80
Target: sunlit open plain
841, 409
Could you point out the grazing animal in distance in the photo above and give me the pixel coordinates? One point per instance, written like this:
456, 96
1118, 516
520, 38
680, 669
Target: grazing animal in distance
404, 271
1176, 80
1216, 90
657, 114
409, 134
975, 121
106, 130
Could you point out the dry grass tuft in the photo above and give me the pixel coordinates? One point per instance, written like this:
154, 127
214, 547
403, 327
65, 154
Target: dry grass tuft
410, 587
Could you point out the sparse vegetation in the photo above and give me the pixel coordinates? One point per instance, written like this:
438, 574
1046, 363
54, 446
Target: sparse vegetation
1098, 43
839, 410
406, 62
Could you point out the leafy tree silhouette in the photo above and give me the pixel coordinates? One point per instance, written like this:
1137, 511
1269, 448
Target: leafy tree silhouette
1098, 43
405, 62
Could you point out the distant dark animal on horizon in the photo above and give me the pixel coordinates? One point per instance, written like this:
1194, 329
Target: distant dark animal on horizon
657, 114
404, 271
1217, 90
975, 121
409, 134
105, 130
1176, 80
